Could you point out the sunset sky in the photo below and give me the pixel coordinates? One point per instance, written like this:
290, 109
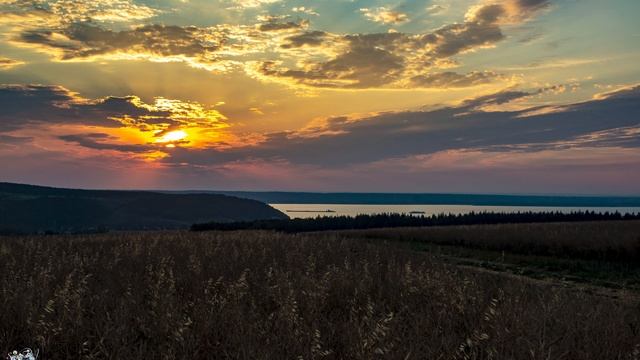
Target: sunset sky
474, 96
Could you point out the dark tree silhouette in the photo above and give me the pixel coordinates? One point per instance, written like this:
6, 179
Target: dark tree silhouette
401, 220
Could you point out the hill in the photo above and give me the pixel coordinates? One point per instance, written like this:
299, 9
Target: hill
29, 208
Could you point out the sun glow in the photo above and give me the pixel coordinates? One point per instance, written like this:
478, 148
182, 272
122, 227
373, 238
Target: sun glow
172, 136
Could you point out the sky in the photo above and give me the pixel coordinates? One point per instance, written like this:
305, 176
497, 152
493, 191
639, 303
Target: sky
461, 96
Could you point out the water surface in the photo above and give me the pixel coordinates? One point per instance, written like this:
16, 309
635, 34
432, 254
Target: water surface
313, 210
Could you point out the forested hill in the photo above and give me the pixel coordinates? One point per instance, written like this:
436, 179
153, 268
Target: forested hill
28, 208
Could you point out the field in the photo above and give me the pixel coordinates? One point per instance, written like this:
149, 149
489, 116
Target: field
601, 253
350, 295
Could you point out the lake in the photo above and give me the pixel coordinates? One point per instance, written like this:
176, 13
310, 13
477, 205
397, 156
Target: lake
313, 210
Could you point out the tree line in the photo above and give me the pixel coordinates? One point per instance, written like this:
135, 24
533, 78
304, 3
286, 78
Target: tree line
391, 220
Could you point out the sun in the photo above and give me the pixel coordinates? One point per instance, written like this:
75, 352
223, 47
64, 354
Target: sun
172, 136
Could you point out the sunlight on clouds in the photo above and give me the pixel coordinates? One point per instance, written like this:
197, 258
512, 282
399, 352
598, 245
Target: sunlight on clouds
384, 15
102, 10
6, 63
270, 92
187, 124
289, 51
506, 12
115, 124
172, 137
304, 10
69, 11
244, 4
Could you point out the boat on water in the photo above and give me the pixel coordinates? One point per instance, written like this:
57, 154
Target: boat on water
416, 212
311, 211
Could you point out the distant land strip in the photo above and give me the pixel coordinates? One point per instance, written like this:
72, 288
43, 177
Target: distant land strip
402, 220
432, 199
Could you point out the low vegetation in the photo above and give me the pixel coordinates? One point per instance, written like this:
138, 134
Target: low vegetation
254, 294
599, 253
597, 240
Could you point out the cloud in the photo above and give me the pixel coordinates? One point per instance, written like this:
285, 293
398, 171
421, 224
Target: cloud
102, 141
342, 142
248, 4
452, 79
505, 12
399, 60
360, 67
70, 11
279, 24
6, 63
290, 52
304, 10
307, 38
384, 15
11, 141
385, 59
27, 106
441, 148
159, 42
555, 64
437, 9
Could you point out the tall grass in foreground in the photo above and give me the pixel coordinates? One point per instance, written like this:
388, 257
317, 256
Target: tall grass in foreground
259, 295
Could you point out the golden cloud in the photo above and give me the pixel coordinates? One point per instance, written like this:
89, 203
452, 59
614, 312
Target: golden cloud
285, 49
245, 4
6, 63
70, 11
128, 123
384, 15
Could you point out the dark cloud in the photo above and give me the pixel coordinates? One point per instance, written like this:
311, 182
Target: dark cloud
384, 59
90, 40
360, 67
13, 140
277, 24
373, 60
100, 141
500, 98
612, 121
456, 38
24, 105
307, 38
529, 6
370, 60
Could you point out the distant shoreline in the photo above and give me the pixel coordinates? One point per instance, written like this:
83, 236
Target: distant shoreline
433, 199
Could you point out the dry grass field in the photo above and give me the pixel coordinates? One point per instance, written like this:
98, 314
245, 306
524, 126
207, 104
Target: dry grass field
264, 295
605, 253
597, 240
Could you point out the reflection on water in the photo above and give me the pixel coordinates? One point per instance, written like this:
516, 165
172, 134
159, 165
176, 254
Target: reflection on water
313, 210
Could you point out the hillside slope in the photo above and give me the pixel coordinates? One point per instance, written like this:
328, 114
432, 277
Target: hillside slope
28, 208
